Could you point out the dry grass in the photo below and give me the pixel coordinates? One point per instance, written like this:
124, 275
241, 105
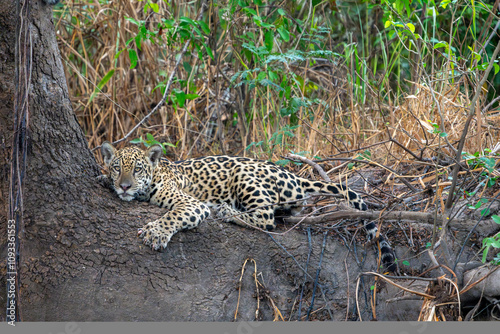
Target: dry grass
91, 34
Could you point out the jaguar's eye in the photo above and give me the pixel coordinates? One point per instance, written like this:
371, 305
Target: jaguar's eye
116, 168
137, 169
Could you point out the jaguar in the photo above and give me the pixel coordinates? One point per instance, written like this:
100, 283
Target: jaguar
241, 190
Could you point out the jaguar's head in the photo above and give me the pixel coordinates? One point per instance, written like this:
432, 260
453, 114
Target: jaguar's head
130, 168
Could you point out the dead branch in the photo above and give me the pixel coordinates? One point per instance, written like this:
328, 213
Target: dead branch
400, 216
369, 162
385, 278
318, 168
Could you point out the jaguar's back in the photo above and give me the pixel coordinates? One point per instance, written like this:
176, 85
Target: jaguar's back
250, 183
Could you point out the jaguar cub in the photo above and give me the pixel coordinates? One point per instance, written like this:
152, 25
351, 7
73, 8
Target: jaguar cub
244, 191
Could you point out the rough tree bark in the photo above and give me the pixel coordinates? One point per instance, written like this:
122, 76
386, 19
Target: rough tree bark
80, 257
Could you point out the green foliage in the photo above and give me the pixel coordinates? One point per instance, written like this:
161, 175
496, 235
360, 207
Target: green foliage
436, 130
150, 141
168, 32
492, 242
266, 68
101, 84
482, 160
277, 139
366, 155
268, 47
479, 204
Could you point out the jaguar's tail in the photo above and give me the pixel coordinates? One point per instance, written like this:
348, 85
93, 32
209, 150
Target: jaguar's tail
387, 254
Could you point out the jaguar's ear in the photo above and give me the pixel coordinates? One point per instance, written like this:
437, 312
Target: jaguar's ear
108, 152
154, 154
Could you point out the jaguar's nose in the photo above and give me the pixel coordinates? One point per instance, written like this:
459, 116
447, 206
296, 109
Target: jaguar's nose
125, 186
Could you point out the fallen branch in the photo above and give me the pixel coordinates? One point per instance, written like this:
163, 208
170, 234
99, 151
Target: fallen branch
369, 162
418, 293
318, 168
406, 216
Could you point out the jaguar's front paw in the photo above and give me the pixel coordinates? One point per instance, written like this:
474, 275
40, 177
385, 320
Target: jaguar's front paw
154, 235
224, 211
105, 181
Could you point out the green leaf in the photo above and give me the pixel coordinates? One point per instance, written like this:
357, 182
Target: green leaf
134, 21
250, 11
181, 97
130, 40
387, 24
133, 58
285, 34
406, 263
254, 144
262, 75
187, 67
273, 76
444, 3
491, 182
485, 253
191, 96
485, 212
281, 12
119, 53
209, 51
441, 45
204, 27
407, 6
496, 219
154, 7
269, 40
411, 27
265, 25
187, 20
168, 23
101, 84
136, 141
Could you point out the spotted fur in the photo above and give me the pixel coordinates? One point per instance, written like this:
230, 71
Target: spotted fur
244, 191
